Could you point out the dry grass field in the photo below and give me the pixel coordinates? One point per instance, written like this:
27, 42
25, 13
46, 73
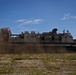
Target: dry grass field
38, 64
35, 60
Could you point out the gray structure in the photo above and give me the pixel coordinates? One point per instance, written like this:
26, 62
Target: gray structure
53, 36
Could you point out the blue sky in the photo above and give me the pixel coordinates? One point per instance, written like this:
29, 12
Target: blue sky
38, 15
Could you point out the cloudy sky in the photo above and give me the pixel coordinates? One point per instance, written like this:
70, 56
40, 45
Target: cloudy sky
38, 15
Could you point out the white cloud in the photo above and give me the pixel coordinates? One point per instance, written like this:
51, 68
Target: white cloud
21, 20
31, 21
73, 17
68, 16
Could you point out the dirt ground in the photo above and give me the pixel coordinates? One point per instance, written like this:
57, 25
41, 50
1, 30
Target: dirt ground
38, 64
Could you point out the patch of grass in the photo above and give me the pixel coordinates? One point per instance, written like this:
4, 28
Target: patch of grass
6, 70
74, 73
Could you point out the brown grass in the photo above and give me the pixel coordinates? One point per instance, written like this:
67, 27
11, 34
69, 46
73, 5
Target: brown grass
8, 48
20, 48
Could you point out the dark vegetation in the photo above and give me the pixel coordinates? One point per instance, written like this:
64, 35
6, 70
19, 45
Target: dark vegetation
15, 48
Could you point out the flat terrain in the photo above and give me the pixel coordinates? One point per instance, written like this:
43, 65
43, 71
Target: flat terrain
38, 64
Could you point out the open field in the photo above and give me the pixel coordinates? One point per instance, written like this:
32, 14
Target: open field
38, 64
24, 59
